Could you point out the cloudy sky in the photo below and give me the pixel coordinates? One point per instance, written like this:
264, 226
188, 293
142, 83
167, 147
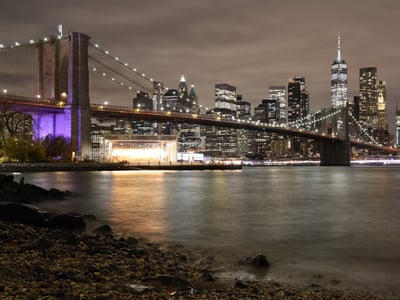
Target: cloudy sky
250, 44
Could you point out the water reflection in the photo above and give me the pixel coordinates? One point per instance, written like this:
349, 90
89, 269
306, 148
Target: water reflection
341, 222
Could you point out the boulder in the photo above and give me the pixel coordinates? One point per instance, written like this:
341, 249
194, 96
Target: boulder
256, 261
103, 230
67, 222
21, 213
169, 282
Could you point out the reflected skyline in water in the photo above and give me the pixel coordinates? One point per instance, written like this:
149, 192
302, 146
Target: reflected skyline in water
339, 222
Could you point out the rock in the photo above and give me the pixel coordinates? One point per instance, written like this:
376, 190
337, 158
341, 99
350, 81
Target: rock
138, 288
170, 282
67, 222
55, 193
256, 261
43, 244
21, 213
103, 230
241, 285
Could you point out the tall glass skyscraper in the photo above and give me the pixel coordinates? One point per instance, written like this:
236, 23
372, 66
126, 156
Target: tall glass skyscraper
397, 126
339, 81
369, 97
298, 99
279, 93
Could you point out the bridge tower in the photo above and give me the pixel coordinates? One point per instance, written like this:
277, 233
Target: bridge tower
336, 152
63, 76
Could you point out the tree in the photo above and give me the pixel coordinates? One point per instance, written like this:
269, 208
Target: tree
57, 147
14, 126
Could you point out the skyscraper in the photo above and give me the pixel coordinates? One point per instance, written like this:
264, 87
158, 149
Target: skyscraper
298, 99
381, 105
397, 126
225, 96
183, 102
220, 141
279, 93
369, 98
339, 84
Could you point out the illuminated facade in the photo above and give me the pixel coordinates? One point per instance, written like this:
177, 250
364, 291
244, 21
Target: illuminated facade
397, 127
339, 81
183, 103
381, 107
369, 98
225, 97
151, 149
221, 141
298, 99
279, 93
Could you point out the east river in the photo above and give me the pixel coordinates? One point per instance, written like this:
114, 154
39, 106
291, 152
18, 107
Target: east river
336, 226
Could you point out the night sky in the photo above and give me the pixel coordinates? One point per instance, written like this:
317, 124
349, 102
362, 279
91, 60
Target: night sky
249, 44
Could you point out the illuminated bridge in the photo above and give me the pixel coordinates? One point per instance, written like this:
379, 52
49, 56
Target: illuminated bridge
52, 83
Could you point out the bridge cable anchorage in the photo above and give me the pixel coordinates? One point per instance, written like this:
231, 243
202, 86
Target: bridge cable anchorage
124, 64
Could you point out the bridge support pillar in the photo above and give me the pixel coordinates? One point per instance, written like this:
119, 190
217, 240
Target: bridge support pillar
337, 152
334, 153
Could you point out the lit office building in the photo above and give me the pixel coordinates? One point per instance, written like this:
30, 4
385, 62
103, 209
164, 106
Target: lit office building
142, 101
170, 100
220, 141
194, 101
225, 97
298, 99
339, 80
158, 92
397, 127
183, 102
245, 138
369, 98
279, 93
381, 91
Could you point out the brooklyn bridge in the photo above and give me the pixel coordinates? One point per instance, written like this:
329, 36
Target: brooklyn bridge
51, 80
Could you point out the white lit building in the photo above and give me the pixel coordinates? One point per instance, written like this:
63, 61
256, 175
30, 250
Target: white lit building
279, 93
339, 81
151, 149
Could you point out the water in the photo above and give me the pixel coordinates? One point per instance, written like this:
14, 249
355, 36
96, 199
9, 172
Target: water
338, 222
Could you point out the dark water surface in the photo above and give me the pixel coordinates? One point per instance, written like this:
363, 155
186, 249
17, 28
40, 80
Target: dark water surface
342, 223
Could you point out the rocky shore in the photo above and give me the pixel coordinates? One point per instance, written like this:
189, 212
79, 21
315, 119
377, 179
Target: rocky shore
47, 256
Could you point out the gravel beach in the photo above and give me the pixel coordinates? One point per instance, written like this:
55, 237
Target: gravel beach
43, 263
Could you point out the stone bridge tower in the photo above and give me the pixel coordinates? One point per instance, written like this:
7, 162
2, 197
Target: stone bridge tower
63, 76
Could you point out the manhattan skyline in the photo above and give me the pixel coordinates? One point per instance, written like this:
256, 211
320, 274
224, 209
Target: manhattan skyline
249, 45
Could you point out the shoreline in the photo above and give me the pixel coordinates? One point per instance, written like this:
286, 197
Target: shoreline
82, 166
52, 263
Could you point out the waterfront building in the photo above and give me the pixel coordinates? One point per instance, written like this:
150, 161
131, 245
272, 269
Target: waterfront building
279, 93
339, 80
148, 149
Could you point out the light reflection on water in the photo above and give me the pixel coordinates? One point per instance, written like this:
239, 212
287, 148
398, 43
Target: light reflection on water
342, 223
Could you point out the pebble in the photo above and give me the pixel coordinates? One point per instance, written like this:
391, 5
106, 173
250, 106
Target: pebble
41, 263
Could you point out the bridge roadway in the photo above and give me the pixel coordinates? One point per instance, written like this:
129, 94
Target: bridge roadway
27, 104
